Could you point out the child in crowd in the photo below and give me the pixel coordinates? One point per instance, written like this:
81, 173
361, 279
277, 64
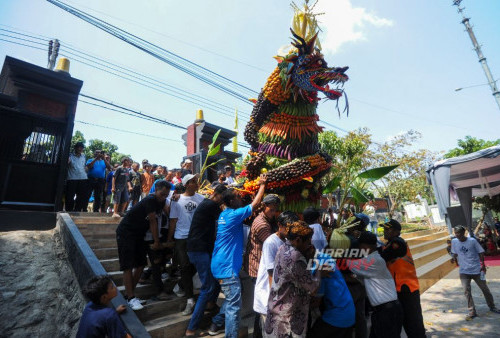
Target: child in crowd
98, 318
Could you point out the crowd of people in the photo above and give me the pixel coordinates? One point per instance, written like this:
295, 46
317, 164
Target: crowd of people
337, 296
98, 185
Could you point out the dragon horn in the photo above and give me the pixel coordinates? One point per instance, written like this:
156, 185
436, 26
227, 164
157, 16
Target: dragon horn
311, 42
302, 44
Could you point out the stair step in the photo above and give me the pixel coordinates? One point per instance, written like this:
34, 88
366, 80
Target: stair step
421, 247
409, 235
90, 234
111, 264
432, 272
92, 228
102, 243
427, 256
143, 291
425, 238
155, 309
117, 277
175, 326
95, 220
106, 253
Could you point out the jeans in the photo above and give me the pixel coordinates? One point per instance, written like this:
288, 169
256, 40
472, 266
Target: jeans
209, 287
373, 226
187, 269
230, 311
465, 279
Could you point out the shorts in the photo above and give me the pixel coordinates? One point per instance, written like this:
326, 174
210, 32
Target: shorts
121, 196
135, 194
131, 251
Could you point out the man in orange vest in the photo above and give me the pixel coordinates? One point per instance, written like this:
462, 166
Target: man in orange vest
400, 263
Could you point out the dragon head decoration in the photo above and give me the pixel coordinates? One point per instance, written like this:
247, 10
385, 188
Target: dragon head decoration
309, 73
283, 129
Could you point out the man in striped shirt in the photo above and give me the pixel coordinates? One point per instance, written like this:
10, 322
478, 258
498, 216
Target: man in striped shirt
263, 226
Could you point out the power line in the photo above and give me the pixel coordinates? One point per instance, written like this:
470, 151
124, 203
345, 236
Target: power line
136, 112
214, 79
178, 40
127, 131
140, 76
23, 44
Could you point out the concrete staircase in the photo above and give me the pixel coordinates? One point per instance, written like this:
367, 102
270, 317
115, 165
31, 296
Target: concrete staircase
432, 261
160, 318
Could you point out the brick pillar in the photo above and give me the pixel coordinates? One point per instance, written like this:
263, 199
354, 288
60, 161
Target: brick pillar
191, 139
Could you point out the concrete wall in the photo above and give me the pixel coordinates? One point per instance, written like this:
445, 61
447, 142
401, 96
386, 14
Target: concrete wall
86, 265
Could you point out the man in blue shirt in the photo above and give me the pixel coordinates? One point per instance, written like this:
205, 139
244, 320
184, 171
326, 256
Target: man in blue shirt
98, 318
96, 172
338, 314
227, 258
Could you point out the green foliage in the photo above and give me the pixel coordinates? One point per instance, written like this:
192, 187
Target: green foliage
350, 154
212, 151
470, 145
96, 144
408, 180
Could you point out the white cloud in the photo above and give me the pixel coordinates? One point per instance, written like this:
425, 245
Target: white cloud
342, 23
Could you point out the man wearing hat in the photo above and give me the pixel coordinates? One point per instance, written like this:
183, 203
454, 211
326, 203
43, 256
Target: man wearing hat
187, 167
400, 263
181, 215
229, 175
77, 181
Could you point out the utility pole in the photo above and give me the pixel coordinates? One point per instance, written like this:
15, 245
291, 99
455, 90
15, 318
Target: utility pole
235, 138
477, 48
53, 53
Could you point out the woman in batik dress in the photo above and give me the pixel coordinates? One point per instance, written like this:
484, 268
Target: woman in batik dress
292, 286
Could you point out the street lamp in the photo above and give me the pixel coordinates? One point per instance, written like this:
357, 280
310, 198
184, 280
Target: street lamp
479, 85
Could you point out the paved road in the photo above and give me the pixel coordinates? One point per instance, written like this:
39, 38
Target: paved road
444, 307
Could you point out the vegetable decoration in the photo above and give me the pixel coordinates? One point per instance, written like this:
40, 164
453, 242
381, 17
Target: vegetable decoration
283, 129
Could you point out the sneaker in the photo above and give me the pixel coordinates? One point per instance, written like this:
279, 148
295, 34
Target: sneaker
495, 310
135, 304
142, 301
471, 316
178, 291
165, 275
215, 330
189, 308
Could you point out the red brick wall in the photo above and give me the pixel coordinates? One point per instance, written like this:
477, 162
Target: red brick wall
191, 139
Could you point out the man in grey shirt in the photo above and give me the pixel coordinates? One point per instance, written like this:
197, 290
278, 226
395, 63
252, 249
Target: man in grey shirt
77, 181
387, 319
469, 254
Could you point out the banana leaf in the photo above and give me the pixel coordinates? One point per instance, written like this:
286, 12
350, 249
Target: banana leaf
374, 174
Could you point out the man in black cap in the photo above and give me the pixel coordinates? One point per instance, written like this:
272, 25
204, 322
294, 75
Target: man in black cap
400, 263
76, 181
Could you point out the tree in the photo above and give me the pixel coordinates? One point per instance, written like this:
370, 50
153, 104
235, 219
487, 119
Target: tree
350, 156
469, 145
408, 181
96, 144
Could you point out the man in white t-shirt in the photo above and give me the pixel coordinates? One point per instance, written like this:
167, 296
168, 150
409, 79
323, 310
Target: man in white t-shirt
181, 214
311, 217
266, 265
469, 254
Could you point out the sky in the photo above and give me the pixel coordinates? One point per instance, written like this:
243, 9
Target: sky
405, 58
